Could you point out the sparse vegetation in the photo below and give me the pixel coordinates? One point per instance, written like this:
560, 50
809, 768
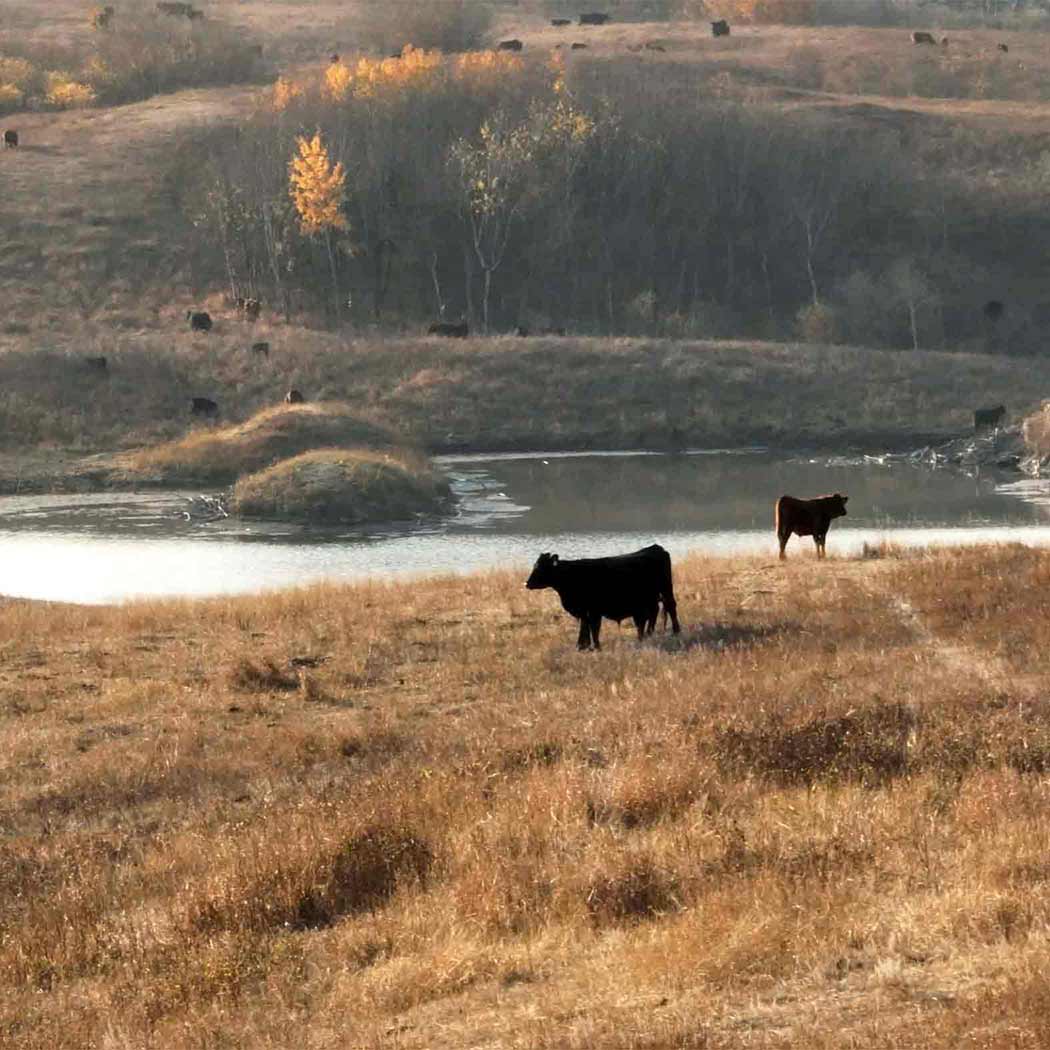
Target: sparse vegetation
384, 807
341, 486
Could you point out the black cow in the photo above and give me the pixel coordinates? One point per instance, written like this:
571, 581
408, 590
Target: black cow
579, 47
1002, 47
97, 364
807, 517
523, 330
994, 309
200, 320
653, 46
509, 45
720, 28
203, 406
261, 348
293, 397
453, 331
334, 58
594, 18
919, 37
627, 585
10, 138
985, 418
561, 22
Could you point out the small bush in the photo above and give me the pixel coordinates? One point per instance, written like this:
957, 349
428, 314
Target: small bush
817, 323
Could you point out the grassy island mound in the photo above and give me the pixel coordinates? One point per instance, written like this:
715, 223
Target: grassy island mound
339, 485
222, 455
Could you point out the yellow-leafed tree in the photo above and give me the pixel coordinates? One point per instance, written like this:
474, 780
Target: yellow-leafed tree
318, 190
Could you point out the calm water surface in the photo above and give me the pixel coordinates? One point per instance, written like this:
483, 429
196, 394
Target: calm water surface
112, 547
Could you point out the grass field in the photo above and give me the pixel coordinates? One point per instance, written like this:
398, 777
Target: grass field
412, 815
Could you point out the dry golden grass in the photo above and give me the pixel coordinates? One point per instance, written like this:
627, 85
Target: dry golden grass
342, 485
221, 455
413, 815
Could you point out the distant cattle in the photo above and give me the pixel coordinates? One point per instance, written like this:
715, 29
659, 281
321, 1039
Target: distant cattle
807, 517
652, 45
720, 28
594, 18
293, 397
523, 330
454, 331
1002, 47
994, 309
200, 320
203, 406
11, 138
334, 58
944, 41
616, 588
579, 47
263, 349
248, 307
561, 22
988, 418
102, 17
919, 37
509, 45
97, 364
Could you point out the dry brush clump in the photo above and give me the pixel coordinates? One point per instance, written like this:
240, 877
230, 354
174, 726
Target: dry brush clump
646, 845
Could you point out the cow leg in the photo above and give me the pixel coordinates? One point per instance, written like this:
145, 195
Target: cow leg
584, 641
596, 626
783, 538
819, 541
671, 609
641, 621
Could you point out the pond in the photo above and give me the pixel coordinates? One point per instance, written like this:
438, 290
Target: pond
111, 547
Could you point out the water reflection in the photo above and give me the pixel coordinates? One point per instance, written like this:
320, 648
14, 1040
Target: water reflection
109, 547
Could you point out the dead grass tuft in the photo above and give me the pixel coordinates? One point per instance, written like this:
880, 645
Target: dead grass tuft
263, 677
870, 746
636, 890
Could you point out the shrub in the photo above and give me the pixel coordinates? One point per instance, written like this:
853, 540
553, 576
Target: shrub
65, 93
817, 323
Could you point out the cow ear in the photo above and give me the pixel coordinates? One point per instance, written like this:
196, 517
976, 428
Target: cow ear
554, 559
844, 498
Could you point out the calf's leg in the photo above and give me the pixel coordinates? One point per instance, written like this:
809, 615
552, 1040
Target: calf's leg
584, 641
596, 626
783, 538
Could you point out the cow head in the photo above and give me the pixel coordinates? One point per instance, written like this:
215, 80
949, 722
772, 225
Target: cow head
544, 572
837, 506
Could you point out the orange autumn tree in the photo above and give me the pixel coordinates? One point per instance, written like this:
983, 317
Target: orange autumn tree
318, 190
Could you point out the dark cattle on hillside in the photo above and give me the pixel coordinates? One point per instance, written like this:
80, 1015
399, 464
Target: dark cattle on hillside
175, 9
561, 21
11, 138
617, 588
994, 309
203, 406
293, 397
334, 58
594, 18
200, 320
97, 364
807, 517
653, 46
509, 45
579, 47
720, 28
455, 331
1002, 47
261, 348
919, 37
988, 418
